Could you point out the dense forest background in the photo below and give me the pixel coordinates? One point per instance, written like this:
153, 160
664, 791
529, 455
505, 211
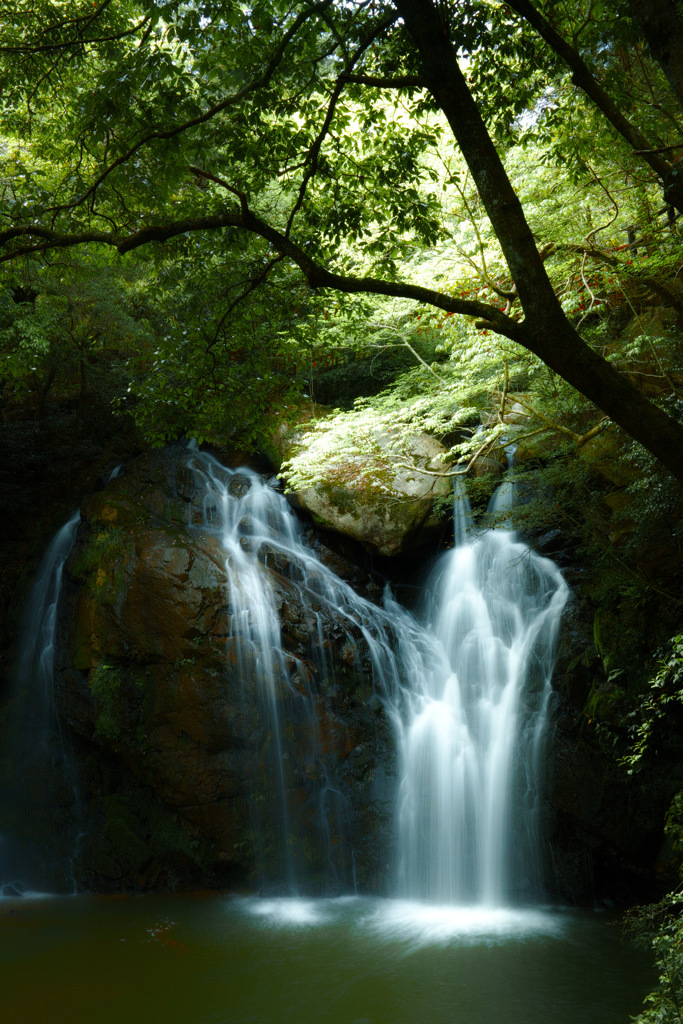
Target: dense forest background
459, 218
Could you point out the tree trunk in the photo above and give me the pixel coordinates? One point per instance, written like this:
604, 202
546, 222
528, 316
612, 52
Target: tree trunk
546, 330
583, 78
663, 29
561, 348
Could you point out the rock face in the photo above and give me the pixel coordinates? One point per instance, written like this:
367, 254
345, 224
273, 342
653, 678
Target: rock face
605, 826
46, 466
385, 502
155, 679
180, 775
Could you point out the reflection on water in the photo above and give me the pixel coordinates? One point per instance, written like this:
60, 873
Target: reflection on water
209, 959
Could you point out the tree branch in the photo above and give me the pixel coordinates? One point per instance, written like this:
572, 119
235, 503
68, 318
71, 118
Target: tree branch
397, 82
75, 42
585, 80
201, 173
315, 147
316, 275
669, 297
87, 19
229, 101
578, 439
404, 343
660, 149
448, 474
253, 284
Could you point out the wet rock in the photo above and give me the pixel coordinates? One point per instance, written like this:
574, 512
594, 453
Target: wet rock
155, 678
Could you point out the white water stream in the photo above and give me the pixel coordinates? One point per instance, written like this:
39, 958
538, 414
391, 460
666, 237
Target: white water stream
471, 733
38, 756
466, 689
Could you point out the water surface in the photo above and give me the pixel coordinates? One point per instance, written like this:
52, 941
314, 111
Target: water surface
215, 959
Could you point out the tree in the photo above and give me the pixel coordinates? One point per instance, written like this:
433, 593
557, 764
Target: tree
79, 312
294, 148
661, 25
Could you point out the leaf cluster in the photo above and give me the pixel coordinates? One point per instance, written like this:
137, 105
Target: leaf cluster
659, 709
659, 927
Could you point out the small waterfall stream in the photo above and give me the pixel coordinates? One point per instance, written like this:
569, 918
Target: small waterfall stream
43, 795
466, 689
257, 528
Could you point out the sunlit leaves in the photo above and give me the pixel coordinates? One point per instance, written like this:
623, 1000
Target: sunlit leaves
665, 690
144, 112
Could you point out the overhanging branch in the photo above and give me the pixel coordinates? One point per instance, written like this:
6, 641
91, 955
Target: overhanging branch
77, 42
584, 79
317, 276
313, 155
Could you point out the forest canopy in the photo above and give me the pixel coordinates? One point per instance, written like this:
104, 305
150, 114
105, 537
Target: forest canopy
224, 198
454, 216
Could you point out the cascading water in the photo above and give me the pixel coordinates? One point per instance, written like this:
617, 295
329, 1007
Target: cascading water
471, 733
41, 792
290, 815
467, 691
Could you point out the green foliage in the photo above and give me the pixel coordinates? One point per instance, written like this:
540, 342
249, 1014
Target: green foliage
105, 682
102, 562
103, 548
142, 113
664, 694
674, 827
69, 328
224, 353
659, 927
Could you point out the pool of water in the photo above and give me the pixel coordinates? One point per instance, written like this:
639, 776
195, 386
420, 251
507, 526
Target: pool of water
216, 959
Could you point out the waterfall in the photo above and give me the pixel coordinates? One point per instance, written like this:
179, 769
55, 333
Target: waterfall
464, 685
472, 728
290, 814
40, 795
466, 689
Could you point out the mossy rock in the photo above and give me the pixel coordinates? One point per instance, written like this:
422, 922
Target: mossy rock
389, 505
605, 703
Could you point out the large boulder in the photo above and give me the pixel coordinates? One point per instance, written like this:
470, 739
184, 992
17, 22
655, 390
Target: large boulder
167, 703
383, 494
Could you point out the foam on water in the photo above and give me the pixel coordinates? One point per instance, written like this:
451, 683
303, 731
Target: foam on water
408, 923
428, 924
288, 911
10, 894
